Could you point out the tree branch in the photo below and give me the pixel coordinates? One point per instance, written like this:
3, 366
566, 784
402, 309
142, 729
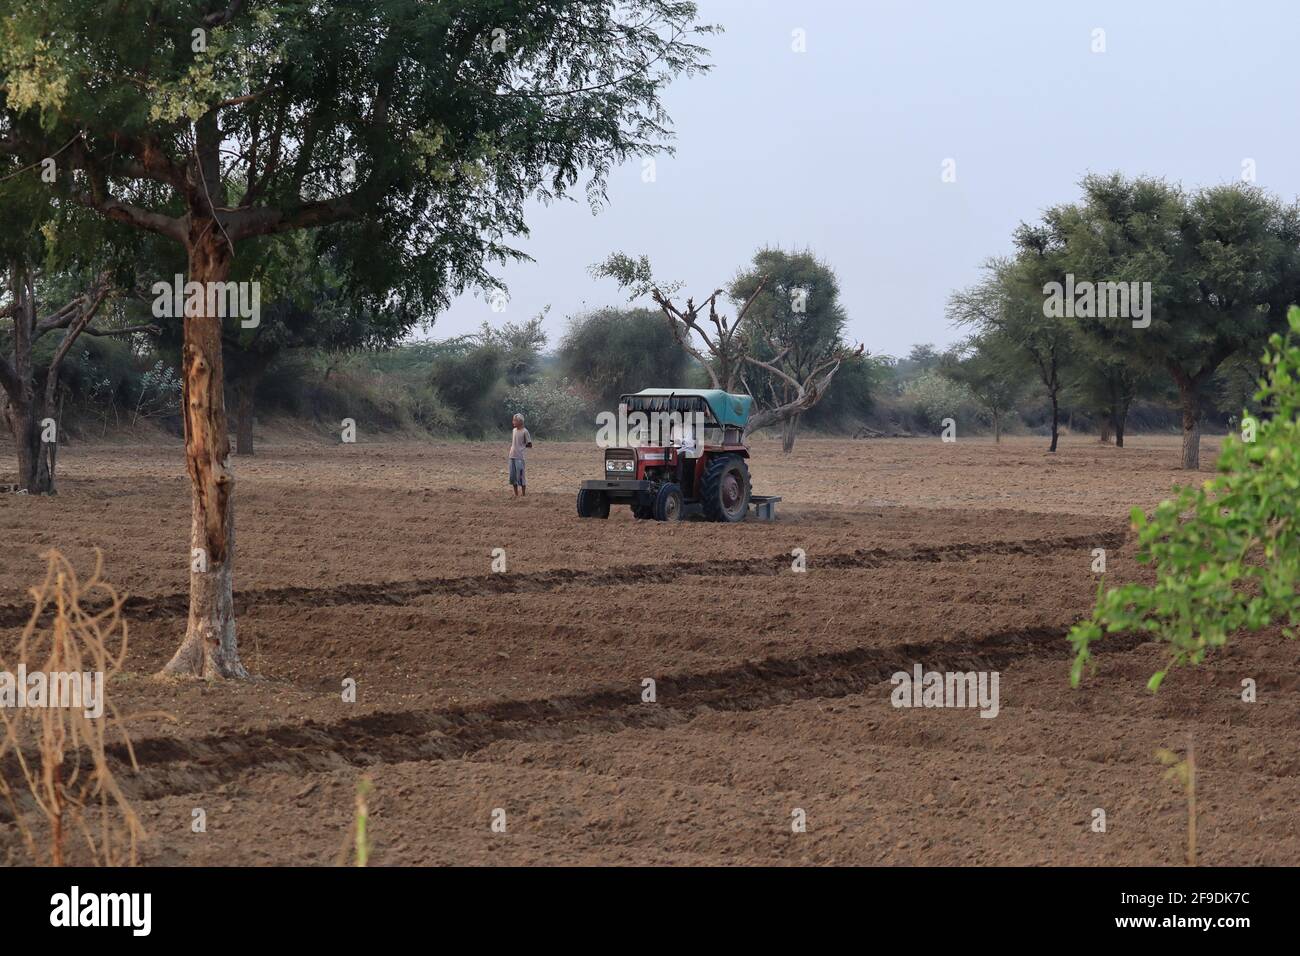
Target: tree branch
119, 211
124, 330
265, 221
222, 17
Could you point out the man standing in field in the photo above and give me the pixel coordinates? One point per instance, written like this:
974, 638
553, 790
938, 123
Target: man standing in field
520, 441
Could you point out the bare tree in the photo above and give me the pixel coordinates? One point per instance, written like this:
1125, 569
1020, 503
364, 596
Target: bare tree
725, 350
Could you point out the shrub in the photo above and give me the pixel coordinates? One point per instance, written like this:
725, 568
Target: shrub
549, 407
1234, 561
934, 397
617, 351
468, 383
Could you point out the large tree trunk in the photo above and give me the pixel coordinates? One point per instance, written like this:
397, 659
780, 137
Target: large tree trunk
1191, 404
997, 428
789, 428
210, 648
1120, 419
34, 473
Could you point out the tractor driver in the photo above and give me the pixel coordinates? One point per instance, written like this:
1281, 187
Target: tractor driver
685, 442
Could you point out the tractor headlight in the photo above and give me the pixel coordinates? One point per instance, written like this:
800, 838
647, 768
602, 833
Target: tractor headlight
620, 464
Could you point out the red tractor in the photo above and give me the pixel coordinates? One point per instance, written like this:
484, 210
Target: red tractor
682, 454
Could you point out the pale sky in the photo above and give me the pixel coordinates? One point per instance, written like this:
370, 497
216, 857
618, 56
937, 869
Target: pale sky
841, 148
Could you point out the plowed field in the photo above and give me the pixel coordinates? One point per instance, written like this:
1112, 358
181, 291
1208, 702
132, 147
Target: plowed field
522, 691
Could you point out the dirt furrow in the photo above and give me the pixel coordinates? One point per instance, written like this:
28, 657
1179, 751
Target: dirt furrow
171, 766
403, 592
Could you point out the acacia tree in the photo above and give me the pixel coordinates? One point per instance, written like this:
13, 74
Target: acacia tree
797, 316
979, 365
727, 350
1109, 383
1223, 264
1007, 306
415, 131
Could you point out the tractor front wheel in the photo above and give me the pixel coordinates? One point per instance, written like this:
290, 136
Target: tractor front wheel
724, 491
668, 503
592, 504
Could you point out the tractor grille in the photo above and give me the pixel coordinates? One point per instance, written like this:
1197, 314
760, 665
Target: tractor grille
620, 462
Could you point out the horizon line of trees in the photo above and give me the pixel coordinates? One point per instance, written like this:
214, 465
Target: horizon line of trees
1212, 272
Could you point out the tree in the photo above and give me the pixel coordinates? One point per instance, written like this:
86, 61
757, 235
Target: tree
1108, 384
1243, 268
520, 345
922, 357
847, 406
724, 351
30, 383
614, 352
1219, 267
980, 366
467, 376
416, 133
795, 321
1007, 305
48, 262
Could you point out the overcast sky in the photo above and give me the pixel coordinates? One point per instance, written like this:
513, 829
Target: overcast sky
841, 148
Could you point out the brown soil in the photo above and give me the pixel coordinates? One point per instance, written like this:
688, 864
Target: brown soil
522, 691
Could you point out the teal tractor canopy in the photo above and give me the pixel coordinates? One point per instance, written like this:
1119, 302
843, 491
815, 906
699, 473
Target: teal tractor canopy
725, 407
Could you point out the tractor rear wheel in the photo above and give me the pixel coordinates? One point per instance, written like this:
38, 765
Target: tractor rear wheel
668, 503
593, 504
724, 491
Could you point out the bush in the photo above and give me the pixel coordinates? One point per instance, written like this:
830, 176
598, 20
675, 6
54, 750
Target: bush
614, 352
469, 384
932, 397
549, 407
1226, 554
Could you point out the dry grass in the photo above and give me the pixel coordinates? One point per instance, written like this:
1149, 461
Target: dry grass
54, 774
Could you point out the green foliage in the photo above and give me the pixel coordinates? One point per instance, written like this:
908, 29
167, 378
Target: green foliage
1222, 275
549, 407
1236, 384
1221, 263
980, 367
469, 383
416, 134
160, 390
798, 310
936, 397
612, 352
520, 345
1226, 554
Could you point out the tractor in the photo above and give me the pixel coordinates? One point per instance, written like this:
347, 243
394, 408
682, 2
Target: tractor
681, 453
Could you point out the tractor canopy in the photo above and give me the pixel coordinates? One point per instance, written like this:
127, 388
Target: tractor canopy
724, 407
